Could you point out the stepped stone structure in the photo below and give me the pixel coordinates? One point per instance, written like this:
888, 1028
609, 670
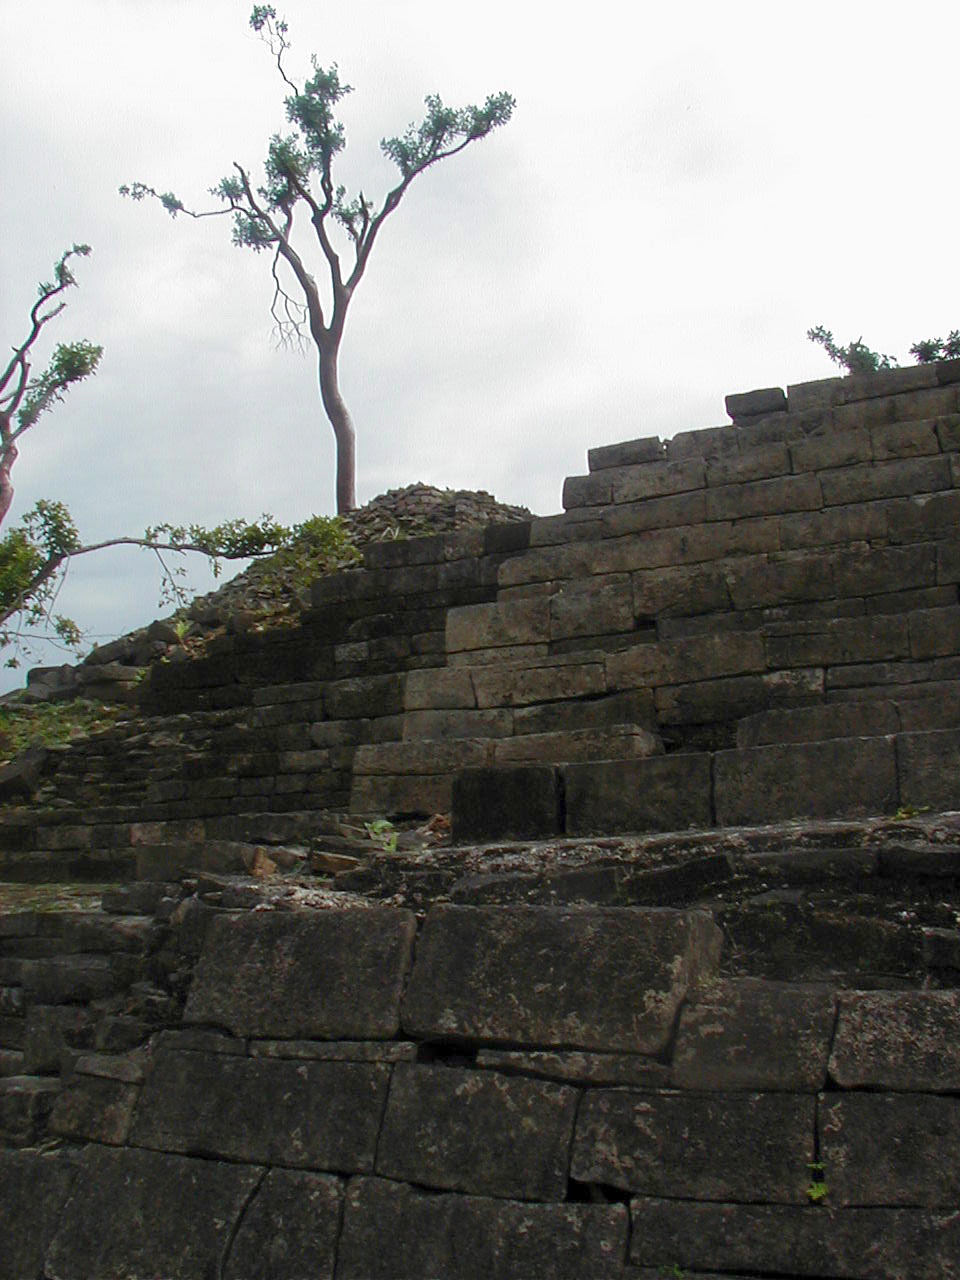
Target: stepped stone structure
683, 996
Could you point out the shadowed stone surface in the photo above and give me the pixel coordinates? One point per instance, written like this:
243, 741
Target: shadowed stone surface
890, 1148
168, 1216
593, 978
749, 1146
33, 1190
320, 1115
898, 1040
391, 1232
477, 1131
816, 1241
754, 1035
663, 793
289, 1229
326, 974
518, 802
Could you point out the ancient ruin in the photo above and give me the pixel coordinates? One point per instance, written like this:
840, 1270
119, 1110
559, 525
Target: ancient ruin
681, 996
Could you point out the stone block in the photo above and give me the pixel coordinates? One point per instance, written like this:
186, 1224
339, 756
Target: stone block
663, 793
904, 440
519, 686
842, 777
614, 742
94, 1109
928, 768
654, 513
519, 803
423, 757
814, 1241
930, 402
750, 1034
457, 1130
680, 592
595, 607
813, 724
55, 1034
697, 658
655, 479
634, 706
169, 1216
33, 1190
935, 633
890, 1148
836, 641
760, 463
438, 688
401, 795
491, 626
68, 979
628, 453
854, 523
586, 491
363, 696
903, 1040
315, 1115
691, 1146
864, 413
328, 975
443, 726
833, 449
577, 1067
752, 404
393, 1232
604, 979
764, 497
289, 1228
885, 480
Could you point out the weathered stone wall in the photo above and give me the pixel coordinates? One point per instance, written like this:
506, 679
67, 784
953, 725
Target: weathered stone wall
360, 1090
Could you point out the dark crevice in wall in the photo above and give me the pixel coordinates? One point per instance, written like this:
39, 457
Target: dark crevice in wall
446, 1053
595, 1193
235, 1228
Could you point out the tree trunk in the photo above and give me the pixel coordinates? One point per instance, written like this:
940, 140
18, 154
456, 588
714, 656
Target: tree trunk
343, 430
7, 458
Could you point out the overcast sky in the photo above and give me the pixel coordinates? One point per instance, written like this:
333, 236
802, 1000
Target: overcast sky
683, 191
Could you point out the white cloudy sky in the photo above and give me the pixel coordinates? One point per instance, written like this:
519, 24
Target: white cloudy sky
683, 191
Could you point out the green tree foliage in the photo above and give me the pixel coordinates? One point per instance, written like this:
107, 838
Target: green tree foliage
298, 172
34, 555
858, 358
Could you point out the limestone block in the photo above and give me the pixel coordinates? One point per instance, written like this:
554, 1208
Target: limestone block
599, 606
328, 974
814, 1241
605, 979
68, 979
427, 757
654, 513
628, 453
864, 413
393, 1232
748, 404
885, 480
33, 1190
168, 1216
930, 402
697, 658
521, 686
904, 440
663, 793
857, 522
839, 778
315, 1115
613, 742
890, 1148
654, 479
935, 632
401, 795
484, 626
898, 1040
928, 768
692, 1145
750, 1034
882, 570
506, 802
586, 491
948, 433
363, 696
289, 1229
708, 442
453, 724
832, 449
578, 1067
764, 497
812, 724
94, 1109
634, 706
458, 1130
836, 642
438, 688
810, 395
760, 463
680, 592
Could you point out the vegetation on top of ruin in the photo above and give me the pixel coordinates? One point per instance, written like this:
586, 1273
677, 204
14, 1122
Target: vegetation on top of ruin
857, 357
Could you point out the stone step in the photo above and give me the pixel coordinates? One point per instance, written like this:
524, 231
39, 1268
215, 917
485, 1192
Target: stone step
860, 718
823, 779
